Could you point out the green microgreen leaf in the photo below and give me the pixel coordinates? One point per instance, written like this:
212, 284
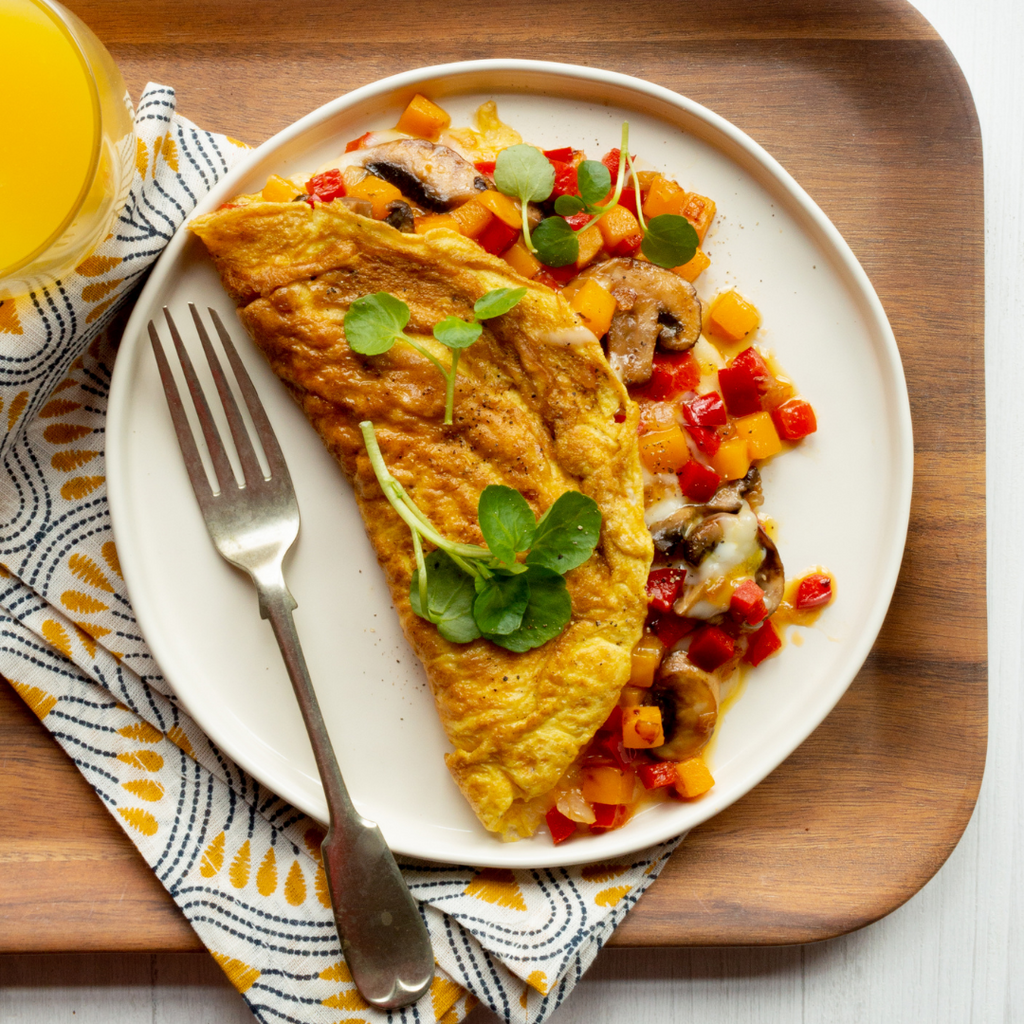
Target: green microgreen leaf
456, 333
548, 612
374, 322
566, 534
527, 174
497, 302
500, 603
506, 521
670, 240
450, 598
594, 181
524, 172
566, 206
556, 243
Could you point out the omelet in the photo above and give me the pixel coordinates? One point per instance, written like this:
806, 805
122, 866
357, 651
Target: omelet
537, 408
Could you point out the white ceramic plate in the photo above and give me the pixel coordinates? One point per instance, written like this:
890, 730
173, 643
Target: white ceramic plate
841, 499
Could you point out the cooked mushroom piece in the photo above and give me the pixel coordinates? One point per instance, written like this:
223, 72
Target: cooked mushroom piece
688, 698
654, 306
699, 541
400, 216
670, 531
729, 497
434, 177
770, 576
361, 206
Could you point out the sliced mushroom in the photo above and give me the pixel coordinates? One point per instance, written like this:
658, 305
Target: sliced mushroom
699, 541
770, 576
670, 531
654, 306
688, 698
400, 216
435, 177
729, 497
361, 206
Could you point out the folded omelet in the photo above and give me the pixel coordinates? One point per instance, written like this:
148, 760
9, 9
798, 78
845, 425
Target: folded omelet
537, 408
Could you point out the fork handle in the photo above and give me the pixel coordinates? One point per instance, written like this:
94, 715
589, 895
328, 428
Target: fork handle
383, 937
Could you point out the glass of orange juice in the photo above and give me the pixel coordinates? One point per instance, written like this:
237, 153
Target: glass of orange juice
67, 148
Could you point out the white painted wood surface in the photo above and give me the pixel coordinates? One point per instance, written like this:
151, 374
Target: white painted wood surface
952, 954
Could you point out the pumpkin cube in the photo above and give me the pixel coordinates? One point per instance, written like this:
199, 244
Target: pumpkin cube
280, 190
693, 778
435, 220
642, 728
590, 241
377, 192
731, 317
759, 432
503, 207
645, 659
664, 196
473, 218
691, 270
423, 117
732, 460
521, 260
700, 212
604, 784
665, 450
596, 305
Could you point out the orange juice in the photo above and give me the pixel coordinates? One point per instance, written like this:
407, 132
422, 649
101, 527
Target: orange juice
65, 129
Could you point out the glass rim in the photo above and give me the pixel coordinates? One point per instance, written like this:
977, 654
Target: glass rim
64, 20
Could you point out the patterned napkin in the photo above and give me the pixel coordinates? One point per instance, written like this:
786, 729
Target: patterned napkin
243, 866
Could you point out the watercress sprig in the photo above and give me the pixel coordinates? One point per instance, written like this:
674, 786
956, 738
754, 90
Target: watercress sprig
468, 590
668, 239
375, 322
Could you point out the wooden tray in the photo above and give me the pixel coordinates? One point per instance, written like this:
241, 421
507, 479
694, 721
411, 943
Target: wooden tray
864, 104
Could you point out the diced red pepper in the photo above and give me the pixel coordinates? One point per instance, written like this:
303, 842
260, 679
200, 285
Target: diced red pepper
608, 748
359, 143
794, 419
705, 439
663, 586
674, 373
813, 591
564, 154
577, 221
563, 275
497, 236
706, 411
609, 816
710, 648
698, 482
744, 381
628, 246
628, 197
327, 185
658, 774
611, 161
485, 166
229, 206
559, 825
670, 629
546, 277
762, 644
566, 183
747, 603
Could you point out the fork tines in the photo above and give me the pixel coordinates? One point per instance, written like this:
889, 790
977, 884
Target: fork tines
252, 472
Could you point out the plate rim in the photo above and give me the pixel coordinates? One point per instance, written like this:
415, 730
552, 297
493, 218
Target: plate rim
616, 843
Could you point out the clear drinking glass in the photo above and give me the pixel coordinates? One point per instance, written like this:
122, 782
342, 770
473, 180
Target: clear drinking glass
67, 150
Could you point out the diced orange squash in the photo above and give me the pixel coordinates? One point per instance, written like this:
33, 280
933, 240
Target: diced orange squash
645, 659
666, 450
617, 225
641, 728
664, 196
693, 778
280, 190
435, 220
501, 206
759, 432
631, 697
732, 460
700, 212
604, 784
596, 305
377, 192
473, 218
691, 270
423, 117
590, 241
731, 317
521, 260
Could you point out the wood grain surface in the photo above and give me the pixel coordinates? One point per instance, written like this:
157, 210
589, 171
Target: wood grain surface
861, 101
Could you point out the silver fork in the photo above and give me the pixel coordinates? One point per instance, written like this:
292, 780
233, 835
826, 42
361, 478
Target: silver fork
385, 942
